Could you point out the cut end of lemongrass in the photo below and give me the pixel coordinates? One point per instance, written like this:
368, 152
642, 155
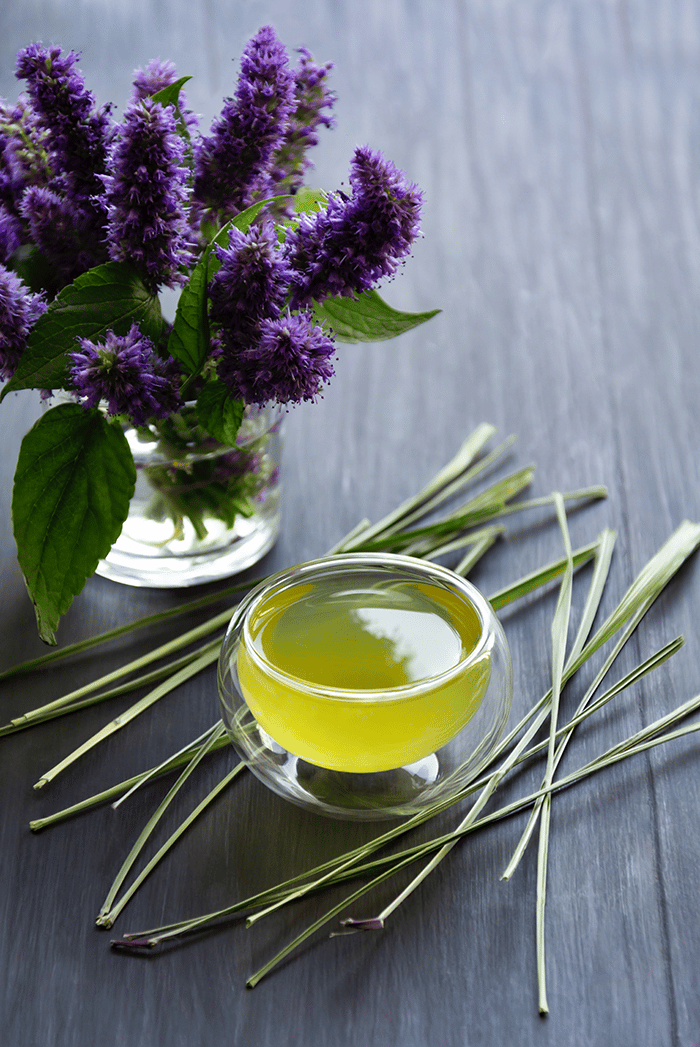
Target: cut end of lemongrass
351, 926
104, 920
41, 783
124, 944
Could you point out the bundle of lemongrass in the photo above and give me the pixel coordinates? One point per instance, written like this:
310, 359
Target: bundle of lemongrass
470, 527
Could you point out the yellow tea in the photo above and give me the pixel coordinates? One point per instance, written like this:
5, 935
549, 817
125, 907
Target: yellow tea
363, 677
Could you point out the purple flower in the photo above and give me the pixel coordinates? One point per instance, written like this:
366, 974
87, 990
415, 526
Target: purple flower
76, 135
312, 96
19, 311
127, 374
252, 282
288, 361
59, 231
232, 165
154, 78
147, 195
22, 155
355, 242
10, 234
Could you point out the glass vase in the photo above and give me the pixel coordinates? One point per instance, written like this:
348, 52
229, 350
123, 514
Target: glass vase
201, 510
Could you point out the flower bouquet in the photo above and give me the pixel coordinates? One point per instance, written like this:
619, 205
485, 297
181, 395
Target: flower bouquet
96, 217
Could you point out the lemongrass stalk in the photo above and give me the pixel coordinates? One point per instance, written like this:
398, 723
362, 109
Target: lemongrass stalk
326, 918
155, 935
529, 583
500, 492
155, 771
103, 917
442, 528
566, 734
120, 788
643, 739
423, 546
541, 897
583, 494
123, 630
130, 714
450, 489
487, 509
191, 636
438, 547
638, 598
449, 472
417, 819
648, 665
560, 631
640, 742
586, 711
114, 692
482, 507
107, 920
601, 570
357, 530
648, 584
471, 559
406, 859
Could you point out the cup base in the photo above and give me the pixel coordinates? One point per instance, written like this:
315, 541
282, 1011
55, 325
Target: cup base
377, 796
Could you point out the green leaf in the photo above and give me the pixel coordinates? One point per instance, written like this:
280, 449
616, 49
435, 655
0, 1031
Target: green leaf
170, 95
244, 219
367, 318
189, 338
109, 297
74, 479
218, 413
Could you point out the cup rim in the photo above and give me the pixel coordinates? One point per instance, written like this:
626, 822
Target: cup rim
411, 566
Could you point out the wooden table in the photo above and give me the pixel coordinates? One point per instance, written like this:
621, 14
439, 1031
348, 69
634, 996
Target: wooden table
557, 145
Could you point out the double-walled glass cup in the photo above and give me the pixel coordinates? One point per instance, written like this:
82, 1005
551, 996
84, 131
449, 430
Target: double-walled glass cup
365, 685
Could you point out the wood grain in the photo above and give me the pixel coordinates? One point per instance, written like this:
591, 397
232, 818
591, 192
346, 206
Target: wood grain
556, 142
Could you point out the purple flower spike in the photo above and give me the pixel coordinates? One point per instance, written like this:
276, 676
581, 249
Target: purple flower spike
59, 231
232, 165
77, 136
22, 157
288, 362
147, 196
312, 96
355, 242
252, 281
154, 78
19, 311
126, 373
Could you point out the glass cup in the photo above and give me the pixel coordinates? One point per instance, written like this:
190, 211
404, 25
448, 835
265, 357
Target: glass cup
365, 685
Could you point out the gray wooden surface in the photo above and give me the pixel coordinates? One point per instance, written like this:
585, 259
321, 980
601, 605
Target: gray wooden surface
558, 144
